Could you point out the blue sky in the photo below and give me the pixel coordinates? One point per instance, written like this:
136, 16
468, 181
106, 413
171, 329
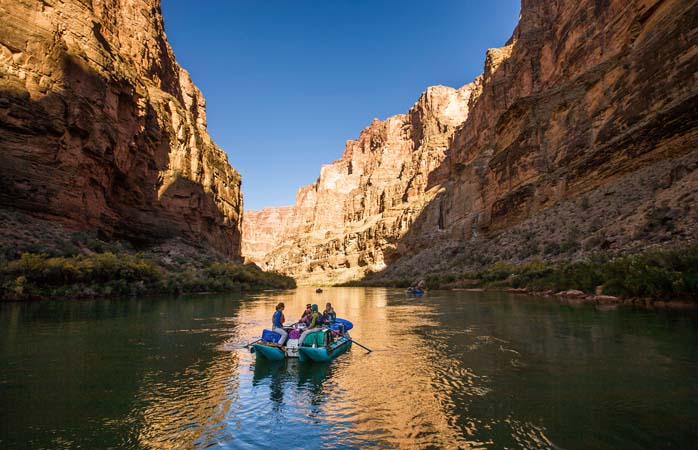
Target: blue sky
288, 82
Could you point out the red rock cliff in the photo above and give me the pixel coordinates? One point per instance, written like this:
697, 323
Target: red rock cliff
101, 128
580, 135
584, 137
341, 225
261, 231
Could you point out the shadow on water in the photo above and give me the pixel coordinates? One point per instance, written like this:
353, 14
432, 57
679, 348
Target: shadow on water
450, 369
291, 374
120, 373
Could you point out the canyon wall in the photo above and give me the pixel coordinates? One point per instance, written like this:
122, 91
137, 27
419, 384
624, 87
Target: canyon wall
261, 231
579, 136
584, 138
349, 221
101, 129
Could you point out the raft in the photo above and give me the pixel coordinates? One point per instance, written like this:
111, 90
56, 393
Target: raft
321, 347
415, 291
268, 348
269, 351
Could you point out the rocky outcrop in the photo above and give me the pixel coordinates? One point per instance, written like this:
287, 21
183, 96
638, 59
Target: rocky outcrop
101, 129
344, 224
261, 231
580, 136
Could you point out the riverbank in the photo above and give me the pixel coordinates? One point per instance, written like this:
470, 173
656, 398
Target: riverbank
658, 275
97, 268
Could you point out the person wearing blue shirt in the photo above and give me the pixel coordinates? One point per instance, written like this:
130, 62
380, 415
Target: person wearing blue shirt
329, 315
277, 323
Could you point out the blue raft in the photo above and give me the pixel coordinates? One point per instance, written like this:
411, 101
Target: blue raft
320, 346
413, 291
270, 352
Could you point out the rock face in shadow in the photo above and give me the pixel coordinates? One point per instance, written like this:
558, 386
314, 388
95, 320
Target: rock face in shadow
584, 120
101, 128
580, 135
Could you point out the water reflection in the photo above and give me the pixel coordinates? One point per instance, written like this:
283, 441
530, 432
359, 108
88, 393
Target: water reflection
290, 375
399, 395
449, 370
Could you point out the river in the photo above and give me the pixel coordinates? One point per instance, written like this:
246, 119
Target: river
449, 370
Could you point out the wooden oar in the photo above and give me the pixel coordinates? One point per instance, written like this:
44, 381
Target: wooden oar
251, 343
362, 346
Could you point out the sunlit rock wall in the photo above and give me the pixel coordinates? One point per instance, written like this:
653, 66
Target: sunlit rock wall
583, 138
362, 204
101, 128
579, 136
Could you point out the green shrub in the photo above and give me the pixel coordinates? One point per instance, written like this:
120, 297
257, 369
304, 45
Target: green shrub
124, 274
662, 273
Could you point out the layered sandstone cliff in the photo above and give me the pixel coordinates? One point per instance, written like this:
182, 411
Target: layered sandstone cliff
344, 224
261, 231
101, 129
584, 138
580, 136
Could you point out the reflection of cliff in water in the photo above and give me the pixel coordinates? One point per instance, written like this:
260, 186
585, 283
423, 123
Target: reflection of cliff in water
407, 401
450, 370
403, 401
191, 408
186, 392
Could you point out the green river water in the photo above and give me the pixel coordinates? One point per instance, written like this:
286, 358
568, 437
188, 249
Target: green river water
449, 370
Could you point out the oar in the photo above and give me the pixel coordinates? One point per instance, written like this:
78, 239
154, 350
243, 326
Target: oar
362, 346
254, 342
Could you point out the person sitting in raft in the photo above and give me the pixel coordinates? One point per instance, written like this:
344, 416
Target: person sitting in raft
315, 318
277, 323
305, 318
329, 315
315, 322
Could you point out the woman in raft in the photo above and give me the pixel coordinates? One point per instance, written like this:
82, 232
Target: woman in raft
315, 322
305, 318
277, 323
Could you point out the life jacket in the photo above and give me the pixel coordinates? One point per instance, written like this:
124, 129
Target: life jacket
315, 319
278, 320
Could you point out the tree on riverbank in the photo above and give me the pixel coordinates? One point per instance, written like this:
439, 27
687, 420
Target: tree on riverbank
114, 271
659, 273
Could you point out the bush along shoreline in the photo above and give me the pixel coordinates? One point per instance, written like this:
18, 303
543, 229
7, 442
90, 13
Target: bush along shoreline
36, 276
657, 275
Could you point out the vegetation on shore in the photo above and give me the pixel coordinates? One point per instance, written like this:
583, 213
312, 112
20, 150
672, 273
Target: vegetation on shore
102, 269
659, 273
